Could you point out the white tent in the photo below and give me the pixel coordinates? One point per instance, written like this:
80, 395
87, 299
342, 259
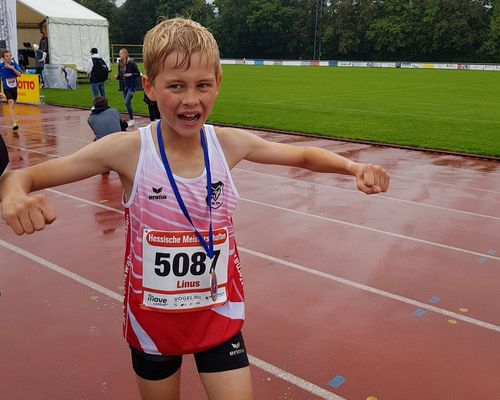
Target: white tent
72, 30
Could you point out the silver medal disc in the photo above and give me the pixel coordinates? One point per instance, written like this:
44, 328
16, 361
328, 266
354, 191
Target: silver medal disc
213, 285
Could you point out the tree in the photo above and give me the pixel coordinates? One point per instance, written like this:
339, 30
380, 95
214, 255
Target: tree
459, 28
231, 30
136, 17
198, 10
490, 51
108, 10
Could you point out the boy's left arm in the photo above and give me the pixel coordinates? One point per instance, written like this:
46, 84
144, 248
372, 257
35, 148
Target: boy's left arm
240, 144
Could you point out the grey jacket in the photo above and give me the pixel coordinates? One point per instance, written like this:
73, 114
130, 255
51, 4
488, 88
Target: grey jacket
105, 121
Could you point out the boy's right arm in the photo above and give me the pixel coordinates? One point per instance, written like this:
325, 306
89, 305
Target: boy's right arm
26, 213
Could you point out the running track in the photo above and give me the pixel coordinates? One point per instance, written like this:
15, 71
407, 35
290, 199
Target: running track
349, 296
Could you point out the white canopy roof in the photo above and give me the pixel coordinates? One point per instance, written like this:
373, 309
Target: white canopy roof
58, 11
72, 30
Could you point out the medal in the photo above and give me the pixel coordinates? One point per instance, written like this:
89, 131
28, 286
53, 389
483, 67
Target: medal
213, 285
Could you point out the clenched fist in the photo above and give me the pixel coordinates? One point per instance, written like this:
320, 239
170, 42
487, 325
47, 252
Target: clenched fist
27, 213
372, 179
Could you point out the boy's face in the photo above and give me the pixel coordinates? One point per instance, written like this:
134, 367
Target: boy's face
7, 57
185, 96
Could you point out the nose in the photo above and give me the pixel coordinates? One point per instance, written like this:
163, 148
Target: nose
190, 98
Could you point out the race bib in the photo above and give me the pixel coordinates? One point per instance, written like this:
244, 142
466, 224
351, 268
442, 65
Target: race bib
176, 270
11, 83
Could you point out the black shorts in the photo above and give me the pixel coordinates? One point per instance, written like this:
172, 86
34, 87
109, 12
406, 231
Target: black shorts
225, 357
10, 93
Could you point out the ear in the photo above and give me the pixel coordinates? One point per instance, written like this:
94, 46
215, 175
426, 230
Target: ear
219, 82
148, 88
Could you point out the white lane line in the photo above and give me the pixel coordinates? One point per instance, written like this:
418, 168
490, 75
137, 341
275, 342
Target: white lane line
89, 202
379, 196
331, 187
333, 277
62, 271
32, 151
484, 255
269, 368
28, 130
392, 175
373, 290
367, 228
410, 179
294, 379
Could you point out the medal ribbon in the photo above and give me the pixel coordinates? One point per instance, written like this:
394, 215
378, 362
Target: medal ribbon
209, 247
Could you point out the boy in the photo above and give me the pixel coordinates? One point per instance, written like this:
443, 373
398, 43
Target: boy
9, 71
184, 292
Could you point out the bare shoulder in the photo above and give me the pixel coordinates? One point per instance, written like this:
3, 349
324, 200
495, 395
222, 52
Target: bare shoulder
122, 149
228, 134
234, 143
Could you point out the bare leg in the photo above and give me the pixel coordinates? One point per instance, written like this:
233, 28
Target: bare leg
228, 385
12, 104
165, 389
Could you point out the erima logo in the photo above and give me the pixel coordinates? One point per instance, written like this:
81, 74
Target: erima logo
217, 194
237, 350
157, 195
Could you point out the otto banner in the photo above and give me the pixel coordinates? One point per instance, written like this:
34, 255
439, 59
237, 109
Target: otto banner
28, 89
59, 76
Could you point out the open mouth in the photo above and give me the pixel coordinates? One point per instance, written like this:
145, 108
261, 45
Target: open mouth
189, 117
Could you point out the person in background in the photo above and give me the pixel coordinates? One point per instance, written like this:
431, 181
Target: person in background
10, 71
40, 57
127, 75
21, 61
154, 113
105, 120
4, 156
98, 71
44, 45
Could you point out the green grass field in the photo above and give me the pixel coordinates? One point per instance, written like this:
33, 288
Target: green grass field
437, 109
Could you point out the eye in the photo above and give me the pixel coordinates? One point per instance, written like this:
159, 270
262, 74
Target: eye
175, 86
203, 85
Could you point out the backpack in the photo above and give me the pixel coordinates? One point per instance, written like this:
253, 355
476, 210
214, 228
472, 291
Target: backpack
100, 70
138, 83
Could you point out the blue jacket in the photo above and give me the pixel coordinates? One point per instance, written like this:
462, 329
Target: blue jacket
7, 73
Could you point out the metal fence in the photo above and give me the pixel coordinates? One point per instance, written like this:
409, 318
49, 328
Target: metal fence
134, 51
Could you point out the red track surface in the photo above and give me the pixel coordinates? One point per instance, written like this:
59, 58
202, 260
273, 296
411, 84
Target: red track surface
333, 278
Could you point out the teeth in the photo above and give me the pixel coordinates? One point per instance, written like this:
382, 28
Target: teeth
189, 115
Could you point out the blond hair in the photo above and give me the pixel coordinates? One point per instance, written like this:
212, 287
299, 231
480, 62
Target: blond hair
125, 51
178, 35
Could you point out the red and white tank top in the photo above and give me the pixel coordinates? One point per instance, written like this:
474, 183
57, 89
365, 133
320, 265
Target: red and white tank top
168, 309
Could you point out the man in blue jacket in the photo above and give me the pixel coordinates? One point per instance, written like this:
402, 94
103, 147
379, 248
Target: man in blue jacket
9, 71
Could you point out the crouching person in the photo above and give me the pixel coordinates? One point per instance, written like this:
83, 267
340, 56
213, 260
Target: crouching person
105, 120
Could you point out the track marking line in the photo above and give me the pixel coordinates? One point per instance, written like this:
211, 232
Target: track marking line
32, 151
28, 130
335, 278
409, 178
379, 196
392, 175
337, 188
269, 368
373, 290
397, 235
